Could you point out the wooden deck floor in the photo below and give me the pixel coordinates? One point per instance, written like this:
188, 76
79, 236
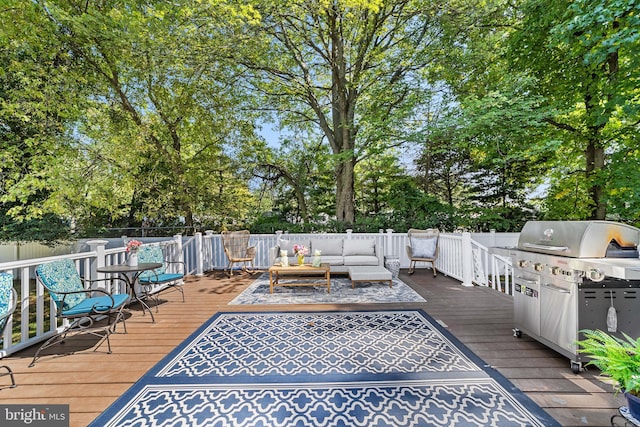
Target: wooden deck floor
481, 318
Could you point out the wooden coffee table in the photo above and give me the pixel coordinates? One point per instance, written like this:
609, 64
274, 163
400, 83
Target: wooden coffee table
300, 272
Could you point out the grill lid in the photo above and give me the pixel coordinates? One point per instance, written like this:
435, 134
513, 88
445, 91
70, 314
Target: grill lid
580, 239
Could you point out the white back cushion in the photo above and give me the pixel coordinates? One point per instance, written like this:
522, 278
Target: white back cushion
358, 247
327, 246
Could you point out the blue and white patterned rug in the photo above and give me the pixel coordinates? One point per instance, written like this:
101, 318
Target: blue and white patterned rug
365, 368
341, 293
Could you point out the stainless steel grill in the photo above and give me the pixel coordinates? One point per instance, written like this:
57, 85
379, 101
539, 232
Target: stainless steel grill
568, 274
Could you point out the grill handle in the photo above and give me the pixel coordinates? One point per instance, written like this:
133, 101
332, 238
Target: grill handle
529, 281
556, 288
545, 247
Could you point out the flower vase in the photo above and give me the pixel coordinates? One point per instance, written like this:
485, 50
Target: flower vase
132, 261
301, 259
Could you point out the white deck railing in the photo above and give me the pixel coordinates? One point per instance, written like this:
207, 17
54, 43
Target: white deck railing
461, 256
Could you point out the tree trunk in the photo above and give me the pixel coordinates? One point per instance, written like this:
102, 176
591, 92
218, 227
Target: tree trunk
594, 152
595, 165
343, 101
302, 203
188, 217
345, 197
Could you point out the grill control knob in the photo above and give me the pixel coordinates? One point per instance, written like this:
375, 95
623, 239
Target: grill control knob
556, 271
538, 267
596, 275
523, 263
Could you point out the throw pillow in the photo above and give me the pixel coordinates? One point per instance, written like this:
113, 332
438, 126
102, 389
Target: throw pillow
327, 246
423, 247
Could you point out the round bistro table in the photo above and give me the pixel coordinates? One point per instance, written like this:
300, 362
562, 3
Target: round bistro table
130, 274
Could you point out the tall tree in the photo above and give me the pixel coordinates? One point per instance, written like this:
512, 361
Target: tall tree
351, 67
374, 177
39, 95
586, 57
478, 143
559, 94
161, 127
442, 168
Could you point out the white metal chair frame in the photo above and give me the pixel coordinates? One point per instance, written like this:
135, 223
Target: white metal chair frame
82, 310
160, 276
4, 320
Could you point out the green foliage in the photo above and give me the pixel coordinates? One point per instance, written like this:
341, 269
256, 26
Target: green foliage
351, 69
124, 113
144, 124
567, 199
584, 57
623, 196
617, 357
40, 96
48, 229
601, 27
501, 219
412, 208
374, 179
408, 207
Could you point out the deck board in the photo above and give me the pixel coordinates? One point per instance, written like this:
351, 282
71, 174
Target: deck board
89, 381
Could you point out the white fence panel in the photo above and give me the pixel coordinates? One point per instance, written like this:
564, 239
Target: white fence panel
450, 260
493, 239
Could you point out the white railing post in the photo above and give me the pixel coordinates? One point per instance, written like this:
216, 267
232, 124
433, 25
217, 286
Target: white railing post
24, 306
199, 255
178, 250
99, 247
467, 259
208, 250
389, 243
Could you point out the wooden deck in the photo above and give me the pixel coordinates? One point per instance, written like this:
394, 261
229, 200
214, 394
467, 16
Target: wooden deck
481, 318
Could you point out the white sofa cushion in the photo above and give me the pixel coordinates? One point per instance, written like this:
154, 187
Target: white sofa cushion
358, 247
333, 259
327, 246
361, 260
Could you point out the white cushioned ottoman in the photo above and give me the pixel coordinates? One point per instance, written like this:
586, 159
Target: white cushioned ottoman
370, 274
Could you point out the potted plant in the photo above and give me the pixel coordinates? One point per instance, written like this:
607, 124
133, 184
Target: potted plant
617, 358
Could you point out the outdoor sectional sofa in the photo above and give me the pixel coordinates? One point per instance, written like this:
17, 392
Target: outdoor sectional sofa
340, 254
362, 260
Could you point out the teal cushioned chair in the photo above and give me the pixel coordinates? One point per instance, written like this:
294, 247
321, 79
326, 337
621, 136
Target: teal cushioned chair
160, 276
82, 308
8, 303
